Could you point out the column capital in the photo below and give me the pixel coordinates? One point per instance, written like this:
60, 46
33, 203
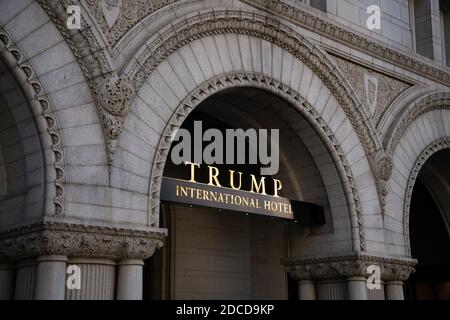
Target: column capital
349, 266
76, 240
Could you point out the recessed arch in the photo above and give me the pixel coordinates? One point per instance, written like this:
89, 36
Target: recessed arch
426, 154
263, 82
44, 120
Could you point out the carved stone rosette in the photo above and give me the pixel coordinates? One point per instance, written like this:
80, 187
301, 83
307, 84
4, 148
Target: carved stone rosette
392, 269
75, 240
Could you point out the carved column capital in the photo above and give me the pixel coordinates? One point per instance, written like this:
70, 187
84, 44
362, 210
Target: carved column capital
75, 240
114, 97
347, 266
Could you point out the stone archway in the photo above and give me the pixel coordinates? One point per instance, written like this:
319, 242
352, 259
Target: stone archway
304, 121
262, 81
426, 223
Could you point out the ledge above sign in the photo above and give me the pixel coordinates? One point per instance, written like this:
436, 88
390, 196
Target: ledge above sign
200, 194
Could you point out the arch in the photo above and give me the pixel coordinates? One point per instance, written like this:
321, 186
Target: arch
261, 81
422, 129
430, 150
406, 116
229, 21
41, 107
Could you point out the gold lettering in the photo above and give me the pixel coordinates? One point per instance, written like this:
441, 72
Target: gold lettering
232, 180
213, 175
245, 201
261, 185
193, 165
267, 204
277, 187
184, 191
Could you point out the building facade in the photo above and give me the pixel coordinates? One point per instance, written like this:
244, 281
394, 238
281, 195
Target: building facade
91, 93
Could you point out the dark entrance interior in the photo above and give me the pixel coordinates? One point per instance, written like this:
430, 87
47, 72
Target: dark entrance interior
429, 236
212, 254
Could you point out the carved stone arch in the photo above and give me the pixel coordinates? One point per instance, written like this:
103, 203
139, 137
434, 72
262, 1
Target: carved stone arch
431, 149
406, 98
261, 81
226, 21
430, 102
40, 106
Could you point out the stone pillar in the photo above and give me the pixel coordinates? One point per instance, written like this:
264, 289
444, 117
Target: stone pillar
50, 277
97, 279
331, 289
394, 274
25, 280
306, 290
6, 281
357, 288
130, 279
394, 290
306, 287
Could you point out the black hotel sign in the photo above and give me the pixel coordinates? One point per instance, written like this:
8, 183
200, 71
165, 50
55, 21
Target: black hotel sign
206, 195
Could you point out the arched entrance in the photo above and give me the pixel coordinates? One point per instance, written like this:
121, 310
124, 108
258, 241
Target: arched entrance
216, 254
429, 230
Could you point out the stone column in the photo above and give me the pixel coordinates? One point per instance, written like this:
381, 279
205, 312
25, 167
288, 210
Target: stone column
357, 288
97, 279
50, 277
130, 279
306, 287
6, 281
306, 290
394, 290
25, 280
394, 274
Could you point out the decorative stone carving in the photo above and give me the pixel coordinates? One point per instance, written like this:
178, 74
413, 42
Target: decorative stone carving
17, 62
349, 266
371, 91
262, 81
114, 98
376, 90
116, 17
111, 11
74, 240
382, 163
424, 156
312, 22
95, 60
207, 23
